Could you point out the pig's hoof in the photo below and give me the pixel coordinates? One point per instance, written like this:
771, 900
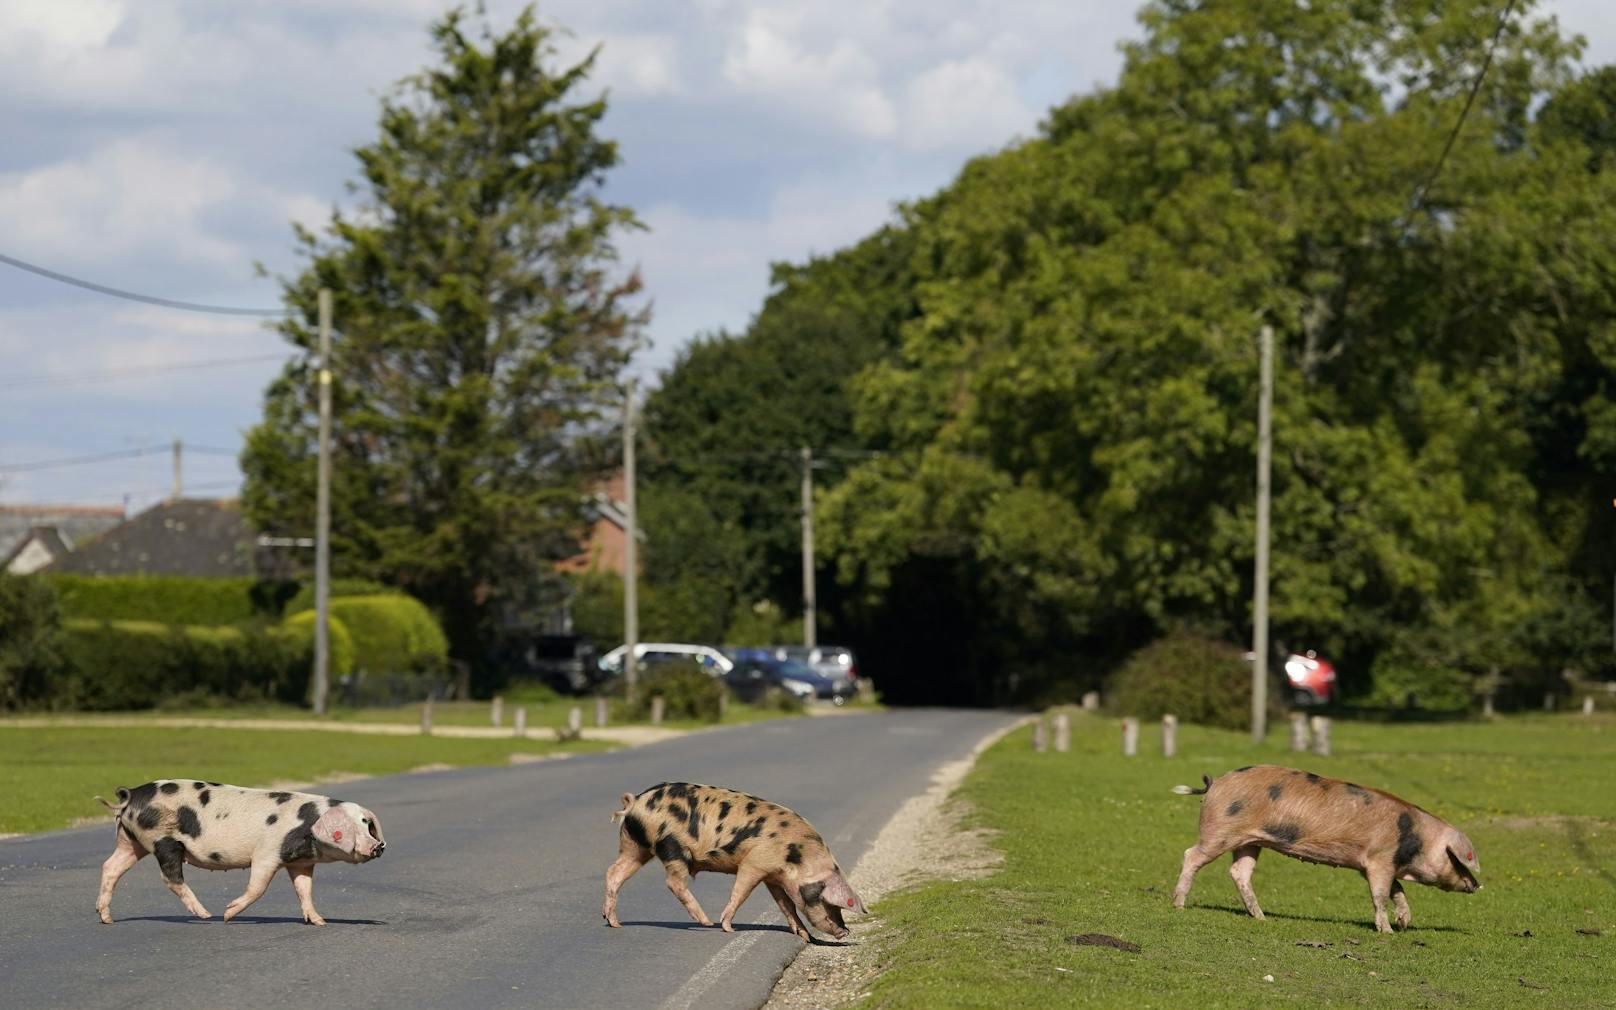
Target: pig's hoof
104, 915
726, 927
314, 920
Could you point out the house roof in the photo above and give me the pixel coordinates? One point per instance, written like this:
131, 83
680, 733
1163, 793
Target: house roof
51, 545
72, 523
179, 537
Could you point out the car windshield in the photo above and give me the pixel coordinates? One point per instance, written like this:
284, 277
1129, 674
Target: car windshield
790, 668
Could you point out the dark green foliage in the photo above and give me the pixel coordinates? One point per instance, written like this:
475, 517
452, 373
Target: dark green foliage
30, 639
688, 691
1200, 680
141, 664
392, 633
481, 322
304, 597
167, 599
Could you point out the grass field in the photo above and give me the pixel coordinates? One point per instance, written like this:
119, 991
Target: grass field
48, 776
1093, 841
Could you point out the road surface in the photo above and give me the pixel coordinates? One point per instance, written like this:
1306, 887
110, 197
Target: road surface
489, 895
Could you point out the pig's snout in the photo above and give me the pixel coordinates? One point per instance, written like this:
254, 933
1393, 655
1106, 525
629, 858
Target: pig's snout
376, 853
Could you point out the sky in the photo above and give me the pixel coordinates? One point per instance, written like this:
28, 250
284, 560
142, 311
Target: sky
166, 147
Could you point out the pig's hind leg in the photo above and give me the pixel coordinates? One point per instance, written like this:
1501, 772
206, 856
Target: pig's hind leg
123, 858
1244, 865
630, 857
263, 871
171, 860
1195, 857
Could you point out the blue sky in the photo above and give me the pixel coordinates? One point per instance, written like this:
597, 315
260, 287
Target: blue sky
166, 145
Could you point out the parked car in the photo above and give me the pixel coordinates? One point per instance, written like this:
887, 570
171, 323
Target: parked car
1312, 679
833, 661
756, 670
649, 654
566, 663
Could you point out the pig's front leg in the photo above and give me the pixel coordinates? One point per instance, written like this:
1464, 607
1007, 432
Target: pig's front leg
1381, 881
783, 899
1400, 900
263, 871
303, 883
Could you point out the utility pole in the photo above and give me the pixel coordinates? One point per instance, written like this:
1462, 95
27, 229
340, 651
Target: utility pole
179, 485
1259, 631
810, 621
322, 519
631, 561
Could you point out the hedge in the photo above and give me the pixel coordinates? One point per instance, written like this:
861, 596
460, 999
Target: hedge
1200, 680
166, 599
140, 664
304, 599
392, 633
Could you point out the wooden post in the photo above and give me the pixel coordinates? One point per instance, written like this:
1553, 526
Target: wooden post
426, 716
1548, 701
1299, 732
723, 704
575, 721
1587, 704
521, 720
1487, 705
1169, 735
1063, 732
659, 705
1130, 737
600, 712
1091, 701
498, 713
1321, 735
1040, 736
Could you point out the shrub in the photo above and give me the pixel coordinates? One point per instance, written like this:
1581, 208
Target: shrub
30, 639
687, 690
167, 599
139, 664
1399, 682
299, 628
303, 599
392, 633
1200, 680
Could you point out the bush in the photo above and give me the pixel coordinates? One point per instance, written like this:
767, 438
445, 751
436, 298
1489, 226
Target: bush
30, 639
303, 599
299, 628
1200, 680
1402, 683
392, 633
140, 664
166, 599
687, 690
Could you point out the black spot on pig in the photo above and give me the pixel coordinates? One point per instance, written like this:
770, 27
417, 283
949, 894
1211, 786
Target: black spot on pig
189, 825
723, 811
812, 894
1273, 792
680, 791
774, 834
280, 797
215, 857
1317, 781
751, 808
1234, 808
214, 784
1246, 768
332, 804
793, 853
741, 834
272, 818
170, 859
694, 825
1286, 833
636, 831
1361, 793
1408, 842
677, 811
149, 817
669, 850
298, 845
169, 788
205, 797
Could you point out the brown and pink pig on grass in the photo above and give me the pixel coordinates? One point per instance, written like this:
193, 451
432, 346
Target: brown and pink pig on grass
1328, 821
692, 828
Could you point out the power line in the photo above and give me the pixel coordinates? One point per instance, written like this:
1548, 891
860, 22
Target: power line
46, 379
135, 296
51, 464
1470, 99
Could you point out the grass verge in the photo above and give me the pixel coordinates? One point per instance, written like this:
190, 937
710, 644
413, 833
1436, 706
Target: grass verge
49, 775
1093, 842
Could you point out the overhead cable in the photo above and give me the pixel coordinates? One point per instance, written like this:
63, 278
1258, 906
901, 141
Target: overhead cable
135, 296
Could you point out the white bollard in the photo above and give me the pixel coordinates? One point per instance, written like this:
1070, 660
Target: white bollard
426, 717
600, 713
1063, 732
1321, 735
1091, 701
1299, 732
498, 711
1587, 704
1487, 705
521, 720
575, 721
1169, 735
1548, 702
1040, 736
658, 706
1130, 737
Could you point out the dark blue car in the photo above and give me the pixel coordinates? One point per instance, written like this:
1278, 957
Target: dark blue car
756, 671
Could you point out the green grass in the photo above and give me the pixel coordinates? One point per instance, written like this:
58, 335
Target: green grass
48, 776
1092, 843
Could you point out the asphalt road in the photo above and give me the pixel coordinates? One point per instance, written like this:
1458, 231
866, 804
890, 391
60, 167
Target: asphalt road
489, 895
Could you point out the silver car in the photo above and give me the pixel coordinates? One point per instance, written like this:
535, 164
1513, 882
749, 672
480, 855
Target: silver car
835, 662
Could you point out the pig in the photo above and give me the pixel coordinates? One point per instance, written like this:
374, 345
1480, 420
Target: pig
1328, 821
224, 827
694, 827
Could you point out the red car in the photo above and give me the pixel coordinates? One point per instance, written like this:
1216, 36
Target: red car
1312, 679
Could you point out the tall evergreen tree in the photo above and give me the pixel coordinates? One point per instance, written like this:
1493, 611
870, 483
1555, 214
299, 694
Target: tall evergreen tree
482, 321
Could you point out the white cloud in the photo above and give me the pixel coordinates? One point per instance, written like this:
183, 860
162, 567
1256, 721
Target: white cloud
964, 104
835, 81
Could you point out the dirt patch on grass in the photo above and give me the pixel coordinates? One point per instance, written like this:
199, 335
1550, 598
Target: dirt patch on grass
924, 841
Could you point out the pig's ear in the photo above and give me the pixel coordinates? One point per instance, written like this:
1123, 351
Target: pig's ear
840, 893
337, 829
1464, 853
